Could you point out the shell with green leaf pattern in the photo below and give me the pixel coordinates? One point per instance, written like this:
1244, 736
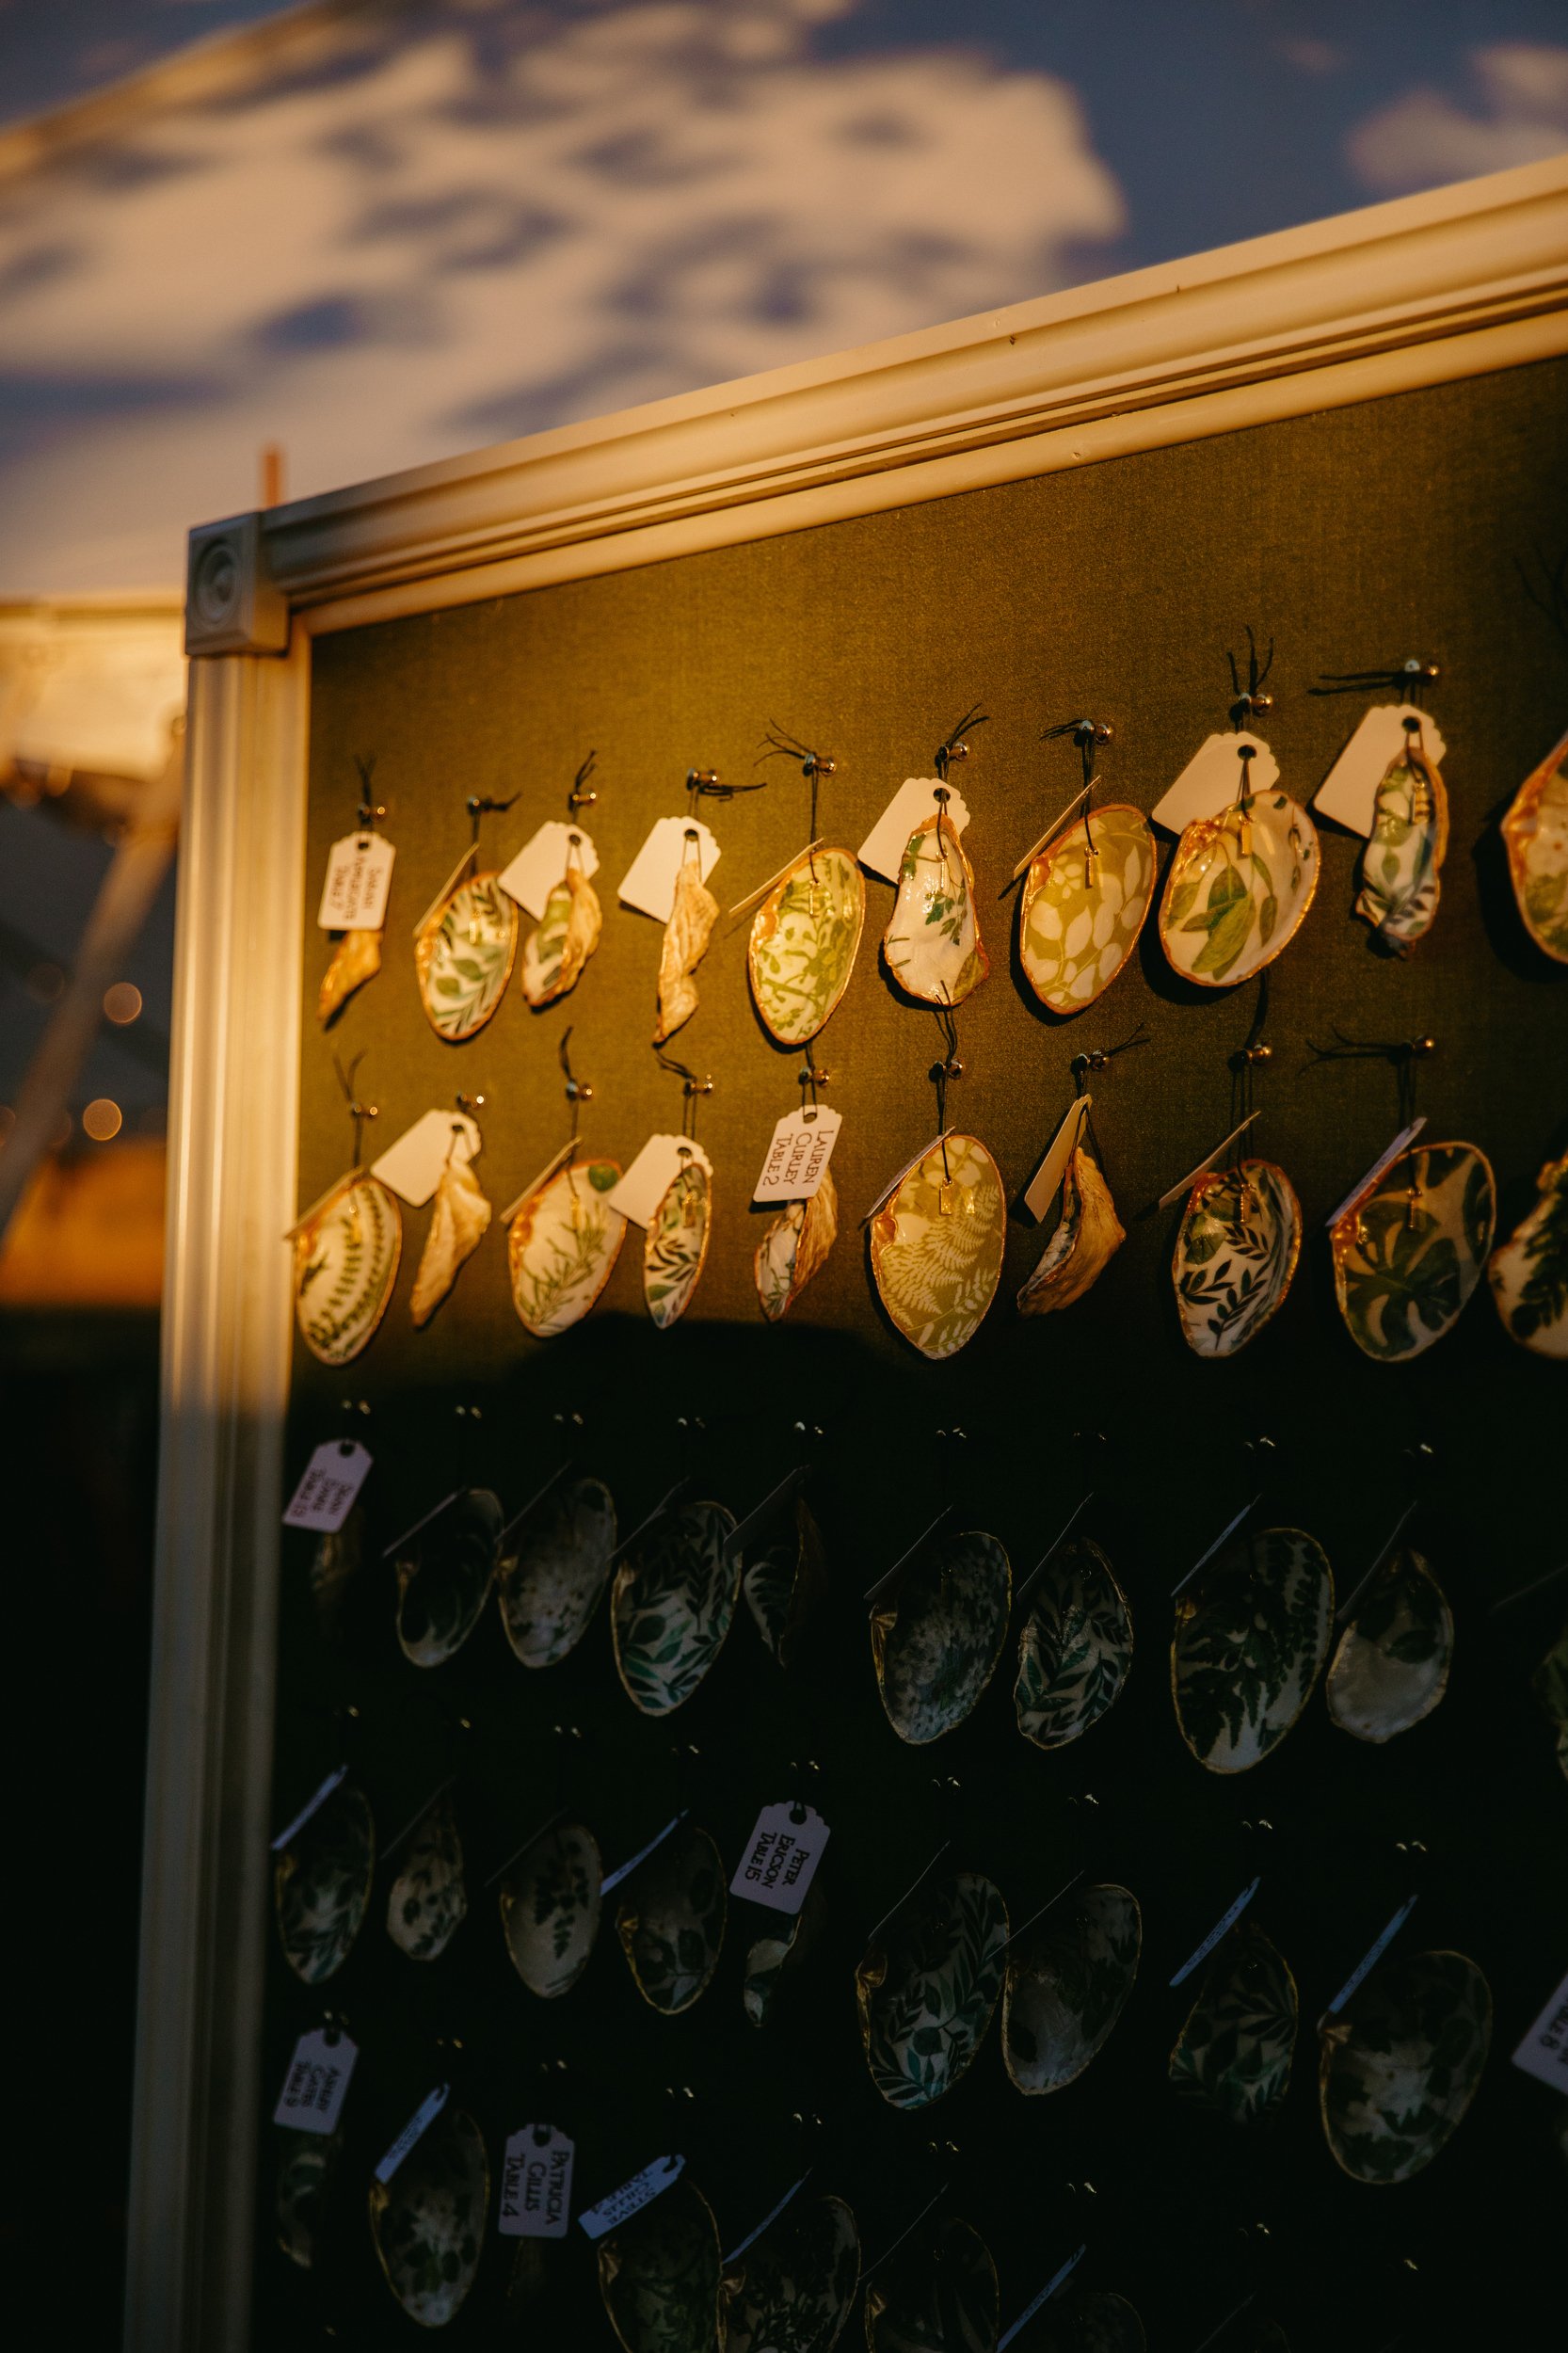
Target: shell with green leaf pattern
774, 1958
1402, 2063
658, 2275
927, 1986
1095, 2320
671, 1605
1408, 1256
561, 1246
1391, 1667
936, 1640
444, 1577
804, 939
792, 2290
1535, 832
1076, 1648
345, 1266
550, 1907
553, 1567
1251, 1636
1236, 1253
939, 2294
463, 955
321, 1884
306, 2167
936, 1245
675, 1243
1529, 1272
428, 2221
1401, 865
932, 945
671, 1921
427, 1902
786, 1583
1238, 888
1083, 904
1067, 1984
1235, 2048
1549, 1684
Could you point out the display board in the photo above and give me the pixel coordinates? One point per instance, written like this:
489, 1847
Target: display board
1407, 526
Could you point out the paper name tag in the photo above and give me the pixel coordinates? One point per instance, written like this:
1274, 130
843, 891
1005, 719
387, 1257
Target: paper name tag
633, 2195
1212, 779
781, 1857
1045, 1183
412, 1166
1222, 1926
652, 1173
325, 1496
798, 1157
541, 863
317, 1798
317, 2085
359, 876
649, 882
914, 804
1543, 2052
536, 2183
413, 2131
1349, 791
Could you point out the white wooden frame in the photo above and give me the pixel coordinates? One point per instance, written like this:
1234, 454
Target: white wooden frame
1458, 283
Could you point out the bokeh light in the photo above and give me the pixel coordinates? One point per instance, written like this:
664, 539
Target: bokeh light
103, 1120
122, 1002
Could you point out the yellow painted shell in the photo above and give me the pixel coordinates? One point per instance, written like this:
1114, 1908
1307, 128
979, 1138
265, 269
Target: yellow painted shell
345, 1265
463, 955
1529, 1272
1535, 832
561, 1246
936, 1245
804, 940
1083, 904
1409, 1254
1237, 890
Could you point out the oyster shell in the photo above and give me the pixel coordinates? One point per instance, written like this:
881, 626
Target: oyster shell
804, 940
1391, 1667
1083, 1241
936, 1245
1407, 1259
463, 954
321, 1884
1400, 2064
671, 1605
346, 1258
428, 2221
1250, 1638
356, 959
1067, 1984
1401, 862
428, 1901
932, 945
794, 1245
1076, 1647
1094, 2321
561, 1246
774, 1958
457, 1226
792, 2289
550, 1907
784, 1585
444, 1568
675, 1247
671, 1921
693, 914
937, 1638
1236, 1253
549, 1581
938, 2296
1529, 1272
334, 1564
568, 933
1083, 904
1235, 2048
1239, 888
1535, 832
926, 1987
307, 2163
658, 2275
1549, 1684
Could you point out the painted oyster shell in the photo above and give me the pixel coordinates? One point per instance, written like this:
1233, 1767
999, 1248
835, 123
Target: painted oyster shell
1229, 910
937, 1271
785, 1584
1095, 2320
795, 1246
427, 1902
554, 1569
694, 913
1235, 2048
1391, 1667
463, 955
658, 2275
1085, 1239
568, 933
936, 1640
1535, 833
671, 1921
1402, 2063
307, 2163
561, 1246
675, 1244
1236, 1253
460, 1221
321, 1884
1250, 1637
772, 1959
1407, 1259
1079, 914
1401, 864
938, 2296
927, 1987
1549, 1684
550, 1907
1076, 1647
671, 1605
1067, 1984
444, 1577
792, 2289
804, 940
932, 945
428, 2221
1529, 1272
345, 1265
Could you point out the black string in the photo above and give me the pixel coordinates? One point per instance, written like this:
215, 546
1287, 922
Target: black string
357, 1111
578, 1091
949, 1068
1404, 1053
479, 805
780, 744
1086, 736
951, 747
692, 1086
1245, 1064
1099, 1057
1411, 678
1551, 598
367, 811
1245, 700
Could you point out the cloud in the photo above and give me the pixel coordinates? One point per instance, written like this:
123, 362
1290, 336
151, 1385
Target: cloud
1424, 138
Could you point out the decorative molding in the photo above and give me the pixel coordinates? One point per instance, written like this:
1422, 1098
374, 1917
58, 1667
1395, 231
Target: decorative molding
231, 604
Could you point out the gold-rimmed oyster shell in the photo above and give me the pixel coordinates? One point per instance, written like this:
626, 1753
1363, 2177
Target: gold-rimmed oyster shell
675, 1243
938, 2293
307, 2168
792, 2289
567, 935
937, 1638
1251, 1636
671, 1921
550, 1907
1068, 1981
1083, 1241
459, 1220
427, 1902
346, 1258
927, 1985
428, 2221
1093, 2320
936, 1245
1401, 865
1235, 2048
804, 940
671, 1605
322, 1881
1529, 1272
1075, 1649
553, 1568
1407, 1258
795, 1246
1236, 1253
444, 1577
1083, 904
1391, 1666
463, 955
658, 2275
1238, 888
561, 1246
784, 1583
932, 946
1535, 833
1402, 2063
